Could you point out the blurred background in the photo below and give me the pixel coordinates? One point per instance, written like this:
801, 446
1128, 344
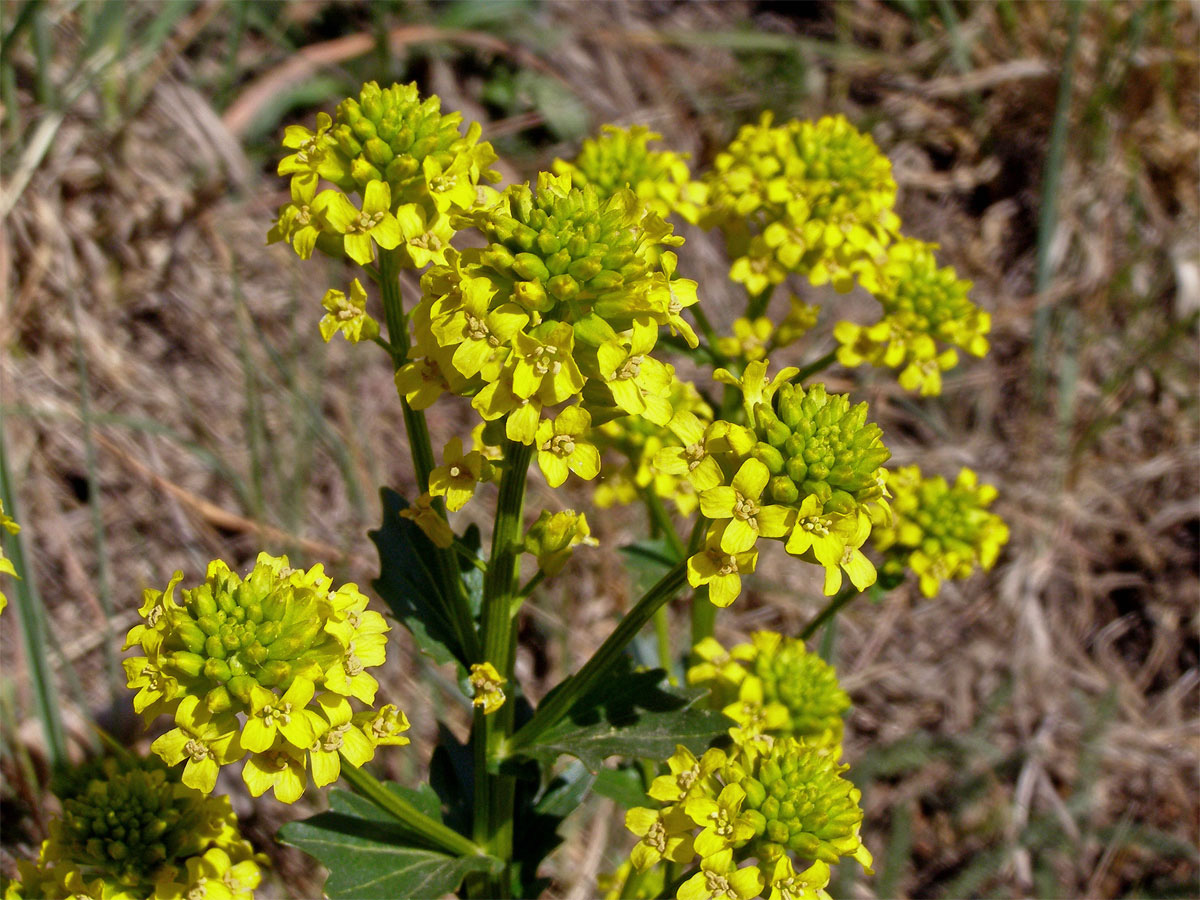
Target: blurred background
166, 399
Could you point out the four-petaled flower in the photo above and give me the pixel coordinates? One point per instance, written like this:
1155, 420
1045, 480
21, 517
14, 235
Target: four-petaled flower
740, 504
374, 222
720, 570
348, 315
488, 687
562, 445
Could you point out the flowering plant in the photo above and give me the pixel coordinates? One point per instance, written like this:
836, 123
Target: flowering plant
559, 322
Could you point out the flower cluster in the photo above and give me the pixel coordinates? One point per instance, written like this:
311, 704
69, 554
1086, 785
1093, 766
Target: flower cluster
939, 531
280, 647
7, 523
763, 817
814, 198
808, 471
772, 685
129, 830
410, 164
621, 158
563, 305
650, 455
923, 307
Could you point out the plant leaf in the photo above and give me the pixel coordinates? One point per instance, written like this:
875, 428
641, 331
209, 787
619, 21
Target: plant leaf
622, 784
408, 585
369, 855
633, 715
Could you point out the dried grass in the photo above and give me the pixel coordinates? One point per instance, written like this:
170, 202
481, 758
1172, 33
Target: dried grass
1042, 719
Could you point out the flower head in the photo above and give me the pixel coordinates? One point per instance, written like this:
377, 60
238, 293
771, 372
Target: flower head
127, 827
279, 648
815, 198
622, 159
8, 524
939, 530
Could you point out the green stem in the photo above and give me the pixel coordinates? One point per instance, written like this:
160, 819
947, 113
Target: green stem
414, 820
528, 587
710, 335
704, 614
551, 711
495, 793
397, 344
756, 304
832, 608
817, 365
660, 521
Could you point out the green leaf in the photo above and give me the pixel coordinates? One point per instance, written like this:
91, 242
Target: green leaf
633, 715
622, 784
370, 855
408, 585
648, 561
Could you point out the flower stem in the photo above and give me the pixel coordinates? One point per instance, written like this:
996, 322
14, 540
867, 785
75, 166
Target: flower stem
414, 820
422, 448
550, 712
817, 365
832, 608
494, 793
660, 520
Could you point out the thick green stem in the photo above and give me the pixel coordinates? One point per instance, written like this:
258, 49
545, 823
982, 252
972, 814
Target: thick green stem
550, 712
832, 608
494, 794
414, 820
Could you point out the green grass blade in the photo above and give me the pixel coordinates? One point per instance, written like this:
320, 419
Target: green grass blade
32, 623
1048, 218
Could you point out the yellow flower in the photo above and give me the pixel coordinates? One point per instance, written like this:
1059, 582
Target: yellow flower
6, 566
281, 768
554, 536
385, 725
562, 445
272, 715
721, 571
348, 315
749, 340
719, 879
688, 776
336, 738
375, 222
788, 884
458, 475
664, 834
206, 742
639, 383
488, 687
429, 520
739, 503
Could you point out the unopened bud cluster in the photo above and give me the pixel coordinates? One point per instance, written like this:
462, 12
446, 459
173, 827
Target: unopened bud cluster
265, 666
130, 829
622, 158
773, 686
409, 163
939, 531
808, 472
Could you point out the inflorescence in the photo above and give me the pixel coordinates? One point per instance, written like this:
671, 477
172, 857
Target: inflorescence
129, 830
280, 648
